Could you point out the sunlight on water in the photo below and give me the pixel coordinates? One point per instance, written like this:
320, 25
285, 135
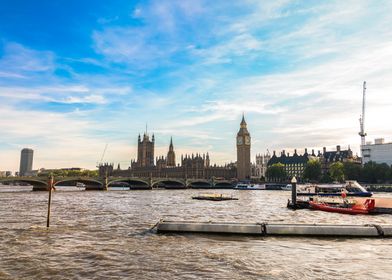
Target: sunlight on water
98, 235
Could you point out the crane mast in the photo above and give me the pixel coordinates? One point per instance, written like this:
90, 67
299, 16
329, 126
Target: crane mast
362, 119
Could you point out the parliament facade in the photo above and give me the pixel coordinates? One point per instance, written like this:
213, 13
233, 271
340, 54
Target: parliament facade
194, 166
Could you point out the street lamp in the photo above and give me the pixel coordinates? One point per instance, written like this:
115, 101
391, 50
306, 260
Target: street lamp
294, 191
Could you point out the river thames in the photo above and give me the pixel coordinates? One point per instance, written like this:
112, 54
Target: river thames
105, 235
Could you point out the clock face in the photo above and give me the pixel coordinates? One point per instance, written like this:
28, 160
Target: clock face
239, 140
247, 140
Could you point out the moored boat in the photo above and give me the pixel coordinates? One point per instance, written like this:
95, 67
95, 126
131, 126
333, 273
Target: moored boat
351, 188
214, 197
245, 186
344, 208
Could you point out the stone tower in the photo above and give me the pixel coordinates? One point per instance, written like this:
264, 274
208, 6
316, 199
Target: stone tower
243, 152
171, 156
145, 151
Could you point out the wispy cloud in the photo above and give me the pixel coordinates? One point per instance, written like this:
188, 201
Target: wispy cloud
190, 69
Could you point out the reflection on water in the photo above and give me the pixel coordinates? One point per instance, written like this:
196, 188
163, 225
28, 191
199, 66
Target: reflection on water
98, 235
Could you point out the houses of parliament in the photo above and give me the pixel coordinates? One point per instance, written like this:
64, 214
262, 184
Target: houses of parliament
195, 166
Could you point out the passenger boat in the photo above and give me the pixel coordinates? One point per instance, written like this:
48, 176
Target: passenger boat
344, 208
245, 186
286, 188
351, 188
214, 197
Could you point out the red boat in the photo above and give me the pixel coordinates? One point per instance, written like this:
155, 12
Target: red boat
365, 208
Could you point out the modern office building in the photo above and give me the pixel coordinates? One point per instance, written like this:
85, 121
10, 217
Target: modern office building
379, 152
26, 162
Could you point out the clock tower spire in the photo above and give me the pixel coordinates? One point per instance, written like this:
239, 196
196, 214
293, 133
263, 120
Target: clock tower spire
243, 151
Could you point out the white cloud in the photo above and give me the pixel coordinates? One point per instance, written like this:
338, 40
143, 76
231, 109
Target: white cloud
18, 58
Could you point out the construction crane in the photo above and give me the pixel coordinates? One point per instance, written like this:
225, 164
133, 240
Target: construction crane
103, 154
362, 119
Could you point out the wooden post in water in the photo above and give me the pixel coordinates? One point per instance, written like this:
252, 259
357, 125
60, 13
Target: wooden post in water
51, 182
294, 192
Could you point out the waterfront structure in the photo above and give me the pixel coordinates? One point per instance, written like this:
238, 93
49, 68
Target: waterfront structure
260, 167
295, 165
145, 151
171, 156
379, 152
192, 166
26, 162
329, 157
243, 152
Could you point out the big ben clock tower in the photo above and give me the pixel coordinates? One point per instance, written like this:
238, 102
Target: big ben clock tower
243, 152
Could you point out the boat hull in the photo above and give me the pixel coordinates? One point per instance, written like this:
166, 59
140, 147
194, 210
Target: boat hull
341, 210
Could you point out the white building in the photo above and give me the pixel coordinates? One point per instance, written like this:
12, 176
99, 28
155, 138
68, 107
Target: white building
378, 152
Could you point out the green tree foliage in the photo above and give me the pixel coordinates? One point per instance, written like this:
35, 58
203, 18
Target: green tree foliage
70, 173
336, 170
312, 170
276, 172
326, 178
352, 171
376, 173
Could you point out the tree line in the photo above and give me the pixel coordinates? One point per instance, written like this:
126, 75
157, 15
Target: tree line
370, 172
70, 173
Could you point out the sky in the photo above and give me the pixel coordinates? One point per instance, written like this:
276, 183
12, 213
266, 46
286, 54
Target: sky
76, 76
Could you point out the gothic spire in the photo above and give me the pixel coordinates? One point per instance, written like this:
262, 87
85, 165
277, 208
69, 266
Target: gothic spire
243, 122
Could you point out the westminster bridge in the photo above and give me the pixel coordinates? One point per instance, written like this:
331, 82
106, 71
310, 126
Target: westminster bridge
98, 183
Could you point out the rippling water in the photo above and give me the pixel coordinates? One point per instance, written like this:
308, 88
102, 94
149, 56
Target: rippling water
104, 235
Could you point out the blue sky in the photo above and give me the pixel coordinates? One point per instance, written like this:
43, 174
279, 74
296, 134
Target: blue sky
77, 75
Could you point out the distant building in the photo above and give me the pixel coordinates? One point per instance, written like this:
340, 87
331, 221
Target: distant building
295, 165
260, 167
196, 166
329, 157
26, 162
243, 152
145, 151
378, 152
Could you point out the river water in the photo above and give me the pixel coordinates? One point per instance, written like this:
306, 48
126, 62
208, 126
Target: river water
104, 235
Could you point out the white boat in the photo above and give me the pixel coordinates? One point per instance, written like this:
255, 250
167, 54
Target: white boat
80, 185
245, 186
286, 188
351, 188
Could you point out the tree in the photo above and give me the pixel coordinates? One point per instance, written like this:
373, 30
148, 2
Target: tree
276, 172
336, 170
352, 171
326, 178
369, 172
382, 172
312, 170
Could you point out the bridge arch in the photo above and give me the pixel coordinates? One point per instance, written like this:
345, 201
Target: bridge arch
86, 181
168, 183
133, 183
223, 185
38, 185
199, 184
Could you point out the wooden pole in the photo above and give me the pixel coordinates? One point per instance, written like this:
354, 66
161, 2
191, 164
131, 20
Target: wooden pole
49, 200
